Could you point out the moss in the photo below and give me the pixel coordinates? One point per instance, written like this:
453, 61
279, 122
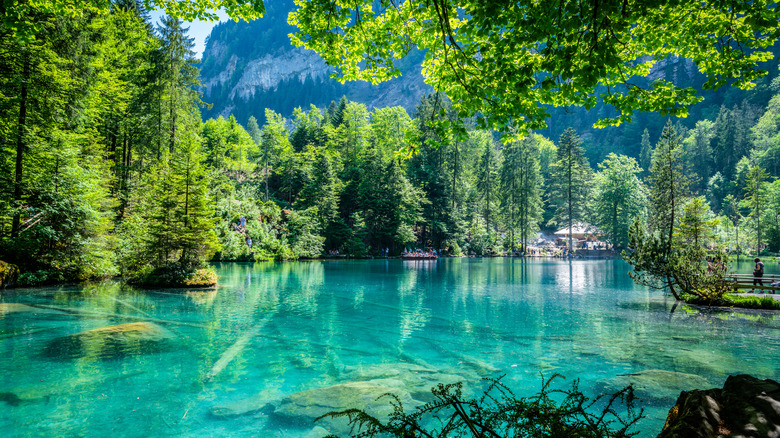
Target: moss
8, 274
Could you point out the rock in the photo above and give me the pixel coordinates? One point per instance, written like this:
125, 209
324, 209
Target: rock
745, 407
8, 274
262, 402
317, 432
656, 385
111, 342
202, 297
696, 414
9, 308
418, 380
10, 398
302, 408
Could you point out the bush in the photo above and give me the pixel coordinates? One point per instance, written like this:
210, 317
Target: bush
40, 277
498, 413
176, 275
9, 273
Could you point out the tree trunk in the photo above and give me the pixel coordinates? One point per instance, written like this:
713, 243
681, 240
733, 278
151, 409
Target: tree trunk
20, 145
266, 171
569, 176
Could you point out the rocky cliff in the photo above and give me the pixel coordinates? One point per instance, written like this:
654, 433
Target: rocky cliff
248, 67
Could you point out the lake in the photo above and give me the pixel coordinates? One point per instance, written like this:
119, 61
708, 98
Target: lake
216, 364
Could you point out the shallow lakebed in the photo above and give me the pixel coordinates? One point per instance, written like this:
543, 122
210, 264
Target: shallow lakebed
243, 360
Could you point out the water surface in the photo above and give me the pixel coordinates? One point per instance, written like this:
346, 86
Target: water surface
272, 330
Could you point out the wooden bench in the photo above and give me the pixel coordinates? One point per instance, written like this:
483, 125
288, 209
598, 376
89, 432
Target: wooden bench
745, 281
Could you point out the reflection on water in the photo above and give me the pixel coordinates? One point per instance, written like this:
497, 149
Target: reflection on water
105, 359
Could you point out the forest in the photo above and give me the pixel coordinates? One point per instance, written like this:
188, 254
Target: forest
108, 170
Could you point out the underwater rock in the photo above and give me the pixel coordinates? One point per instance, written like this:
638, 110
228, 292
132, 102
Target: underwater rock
8, 274
317, 432
418, 380
10, 398
655, 385
745, 407
8, 308
111, 342
202, 297
304, 407
261, 402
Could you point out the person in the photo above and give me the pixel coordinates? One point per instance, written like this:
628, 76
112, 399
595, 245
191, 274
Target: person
758, 272
249, 242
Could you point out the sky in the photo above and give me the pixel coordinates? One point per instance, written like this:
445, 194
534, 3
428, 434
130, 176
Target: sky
199, 30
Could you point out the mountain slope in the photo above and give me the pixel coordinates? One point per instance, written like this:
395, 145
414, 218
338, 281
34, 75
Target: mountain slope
248, 67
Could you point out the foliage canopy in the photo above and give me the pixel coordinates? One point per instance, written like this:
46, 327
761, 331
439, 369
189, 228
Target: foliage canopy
505, 62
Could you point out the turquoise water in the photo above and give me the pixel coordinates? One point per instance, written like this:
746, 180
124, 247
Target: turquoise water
224, 360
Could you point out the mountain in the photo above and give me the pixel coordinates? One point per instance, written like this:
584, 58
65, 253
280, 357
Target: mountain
249, 66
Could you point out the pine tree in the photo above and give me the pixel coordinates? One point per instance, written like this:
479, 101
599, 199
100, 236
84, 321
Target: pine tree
669, 185
275, 145
646, 152
521, 189
181, 78
570, 181
699, 152
619, 196
487, 178
322, 191
755, 199
181, 224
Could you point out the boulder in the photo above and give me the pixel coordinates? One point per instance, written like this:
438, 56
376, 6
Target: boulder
302, 408
658, 386
744, 407
8, 274
111, 342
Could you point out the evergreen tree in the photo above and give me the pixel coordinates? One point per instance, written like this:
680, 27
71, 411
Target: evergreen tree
322, 192
698, 152
487, 178
697, 224
755, 199
275, 145
669, 186
181, 78
521, 188
619, 196
646, 152
569, 184
766, 138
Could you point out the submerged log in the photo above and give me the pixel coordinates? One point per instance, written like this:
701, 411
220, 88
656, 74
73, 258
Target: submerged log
236, 348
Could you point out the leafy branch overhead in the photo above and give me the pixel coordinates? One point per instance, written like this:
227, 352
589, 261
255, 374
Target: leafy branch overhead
20, 16
506, 62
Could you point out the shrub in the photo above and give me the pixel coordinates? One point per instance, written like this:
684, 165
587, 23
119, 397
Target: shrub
40, 277
499, 413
